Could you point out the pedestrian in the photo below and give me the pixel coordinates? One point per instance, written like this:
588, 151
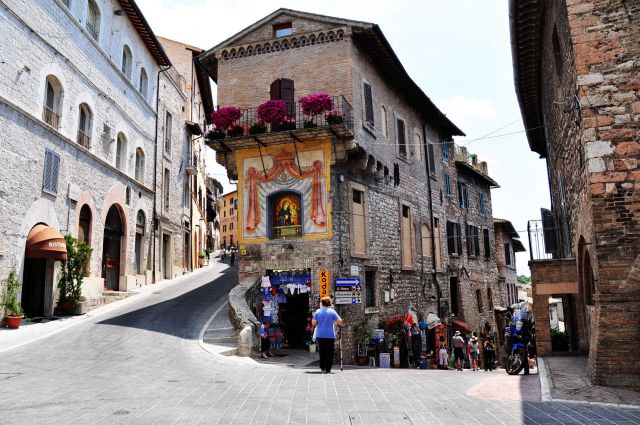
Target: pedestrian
416, 344
232, 258
443, 357
474, 346
489, 354
265, 347
224, 255
323, 320
458, 351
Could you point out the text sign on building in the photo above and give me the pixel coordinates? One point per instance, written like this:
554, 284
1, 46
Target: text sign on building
323, 278
348, 291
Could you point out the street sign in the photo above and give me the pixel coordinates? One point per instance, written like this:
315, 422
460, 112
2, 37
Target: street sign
348, 291
323, 278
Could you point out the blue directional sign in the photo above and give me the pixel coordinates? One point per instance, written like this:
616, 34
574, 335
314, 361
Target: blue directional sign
348, 281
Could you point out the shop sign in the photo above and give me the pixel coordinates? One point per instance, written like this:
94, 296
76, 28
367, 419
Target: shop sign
323, 278
355, 271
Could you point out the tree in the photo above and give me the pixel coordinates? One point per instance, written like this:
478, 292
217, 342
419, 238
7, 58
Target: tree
524, 279
73, 270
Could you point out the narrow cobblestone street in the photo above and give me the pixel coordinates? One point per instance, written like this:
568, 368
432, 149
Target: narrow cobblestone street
142, 363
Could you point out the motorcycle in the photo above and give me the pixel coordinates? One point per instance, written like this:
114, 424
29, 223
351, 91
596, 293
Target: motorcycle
519, 336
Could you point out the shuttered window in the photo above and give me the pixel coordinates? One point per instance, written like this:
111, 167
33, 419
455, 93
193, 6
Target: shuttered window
487, 243
402, 143
454, 238
432, 162
358, 220
407, 248
368, 104
51, 171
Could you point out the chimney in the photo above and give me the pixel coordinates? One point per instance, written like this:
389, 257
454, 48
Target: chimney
484, 168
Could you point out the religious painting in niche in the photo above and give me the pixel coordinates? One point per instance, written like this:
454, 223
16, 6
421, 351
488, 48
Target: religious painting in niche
287, 191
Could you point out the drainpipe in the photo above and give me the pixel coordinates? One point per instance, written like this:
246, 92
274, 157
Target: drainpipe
433, 242
155, 174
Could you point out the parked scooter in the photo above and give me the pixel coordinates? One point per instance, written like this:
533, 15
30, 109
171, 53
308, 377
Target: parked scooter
519, 336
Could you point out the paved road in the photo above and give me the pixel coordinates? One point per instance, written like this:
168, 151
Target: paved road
141, 363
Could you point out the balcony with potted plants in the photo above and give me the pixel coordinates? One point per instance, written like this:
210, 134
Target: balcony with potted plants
314, 117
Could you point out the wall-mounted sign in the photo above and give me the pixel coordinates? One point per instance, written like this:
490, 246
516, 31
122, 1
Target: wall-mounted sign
324, 283
348, 291
355, 271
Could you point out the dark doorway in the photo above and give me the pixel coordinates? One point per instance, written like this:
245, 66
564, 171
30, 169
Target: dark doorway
295, 314
140, 221
454, 292
166, 264
33, 281
111, 250
283, 89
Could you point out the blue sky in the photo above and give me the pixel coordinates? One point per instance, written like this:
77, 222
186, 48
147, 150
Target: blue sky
457, 51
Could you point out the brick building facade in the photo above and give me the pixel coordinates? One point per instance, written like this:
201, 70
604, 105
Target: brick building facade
577, 73
229, 220
78, 98
369, 188
507, 244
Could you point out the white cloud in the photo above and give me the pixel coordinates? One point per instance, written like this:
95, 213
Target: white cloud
461, 108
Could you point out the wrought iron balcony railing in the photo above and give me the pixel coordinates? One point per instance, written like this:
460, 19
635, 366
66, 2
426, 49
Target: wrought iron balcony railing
84, 139
50, 117
250, 125
543, 240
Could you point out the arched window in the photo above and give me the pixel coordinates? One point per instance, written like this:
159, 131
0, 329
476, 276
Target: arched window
385, 128
140, 227
417, 144
144, 82
140, 165
93, 19
52, 109
84, 225
127, 60
85, 122
121, 152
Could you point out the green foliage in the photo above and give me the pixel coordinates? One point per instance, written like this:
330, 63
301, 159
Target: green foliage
362, 331
202, 255
12, 306
73, 270
524, 279
559, 340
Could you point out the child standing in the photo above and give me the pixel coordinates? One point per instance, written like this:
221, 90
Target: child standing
265, 346
443, 360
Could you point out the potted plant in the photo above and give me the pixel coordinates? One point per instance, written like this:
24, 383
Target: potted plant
288, 123
235, 130
334, 117
313, 105
272, 111
258, 127
201, 257
361, 334
12, 308
215, 134
71, 276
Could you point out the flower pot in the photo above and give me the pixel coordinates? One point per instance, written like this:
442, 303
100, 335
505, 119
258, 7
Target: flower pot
309, 124
13, 322
78, 309
335, 119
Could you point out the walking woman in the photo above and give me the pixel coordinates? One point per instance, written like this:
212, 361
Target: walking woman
474, 347
323, 320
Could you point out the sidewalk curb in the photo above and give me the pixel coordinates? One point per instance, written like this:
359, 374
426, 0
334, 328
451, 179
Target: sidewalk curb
545, 389
206, 326
545, 381
59, 326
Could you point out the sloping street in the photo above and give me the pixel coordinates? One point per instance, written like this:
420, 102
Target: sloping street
141, 362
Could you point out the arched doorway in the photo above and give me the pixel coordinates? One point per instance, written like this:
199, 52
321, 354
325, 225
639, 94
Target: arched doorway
44, 246
111, 249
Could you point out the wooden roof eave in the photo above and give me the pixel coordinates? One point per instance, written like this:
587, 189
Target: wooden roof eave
143, 29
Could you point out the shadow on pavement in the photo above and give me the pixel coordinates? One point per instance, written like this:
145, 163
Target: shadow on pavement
176, 316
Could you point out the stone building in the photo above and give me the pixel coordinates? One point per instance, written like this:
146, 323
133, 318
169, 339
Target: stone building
357, 197
79, 88
197, 110
577, 77
469, 273
229, 220
507, 244
214, 206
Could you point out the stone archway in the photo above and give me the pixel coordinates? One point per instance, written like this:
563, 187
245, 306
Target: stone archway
111, 249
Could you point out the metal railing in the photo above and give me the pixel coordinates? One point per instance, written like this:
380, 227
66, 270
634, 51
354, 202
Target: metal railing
295, 119
543, 240
50, 117
287, 231
84, 139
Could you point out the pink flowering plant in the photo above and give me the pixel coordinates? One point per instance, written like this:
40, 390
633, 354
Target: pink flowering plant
224, 117
235, 130
334, 117
288, 123
315, 104
272, 111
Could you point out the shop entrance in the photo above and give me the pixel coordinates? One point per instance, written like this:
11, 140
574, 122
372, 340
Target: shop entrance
286, 306
33, 283
111, 250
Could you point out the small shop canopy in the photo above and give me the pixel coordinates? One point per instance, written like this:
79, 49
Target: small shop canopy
459, 324
46, 242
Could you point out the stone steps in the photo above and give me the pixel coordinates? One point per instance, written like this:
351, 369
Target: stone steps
221, 338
